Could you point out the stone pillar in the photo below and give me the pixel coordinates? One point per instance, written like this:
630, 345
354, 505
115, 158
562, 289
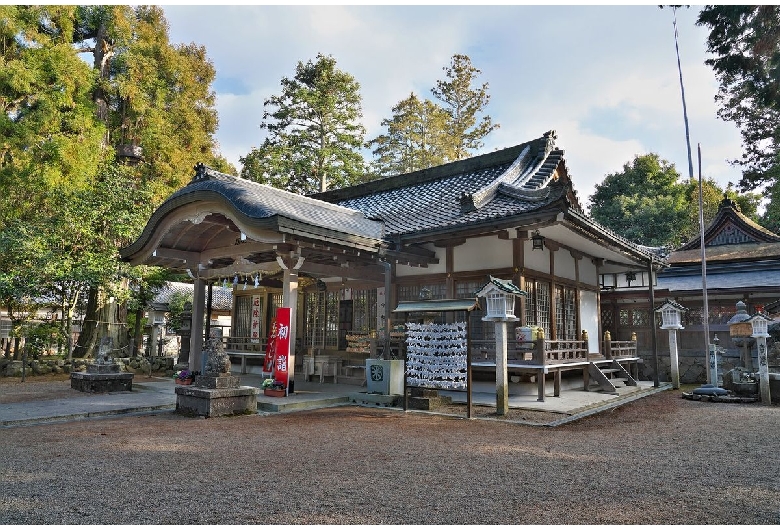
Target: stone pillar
674, 358
290, 299
186, 334
197, 361
502, 379
763, 371
713, 365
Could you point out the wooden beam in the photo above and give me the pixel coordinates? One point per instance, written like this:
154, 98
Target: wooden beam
184, 255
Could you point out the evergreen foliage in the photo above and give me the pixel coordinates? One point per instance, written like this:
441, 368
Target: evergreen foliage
422, 133
314, 133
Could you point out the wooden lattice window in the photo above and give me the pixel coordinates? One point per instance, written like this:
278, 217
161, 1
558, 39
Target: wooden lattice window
363, 309
566, 312
537, 307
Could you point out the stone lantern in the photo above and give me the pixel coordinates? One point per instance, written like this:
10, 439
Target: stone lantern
671, 320
760, 324
500, 297
741, 333
500, 308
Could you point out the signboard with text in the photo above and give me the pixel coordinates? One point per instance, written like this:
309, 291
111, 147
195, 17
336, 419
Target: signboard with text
255, 320
282, 346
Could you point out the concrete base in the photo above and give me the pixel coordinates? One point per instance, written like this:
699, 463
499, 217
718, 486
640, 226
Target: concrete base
384, 400
212, 402
98, 383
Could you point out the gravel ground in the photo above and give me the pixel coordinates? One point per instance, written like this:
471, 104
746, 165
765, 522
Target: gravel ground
657, 460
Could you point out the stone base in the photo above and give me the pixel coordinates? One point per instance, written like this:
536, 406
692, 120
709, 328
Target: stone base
211, 402
367, 398
104, 368
100, 383
427, 399
217, 381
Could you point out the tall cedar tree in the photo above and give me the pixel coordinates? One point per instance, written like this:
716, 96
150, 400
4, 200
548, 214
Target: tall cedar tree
415, 139
745, 42
66, 122
463, 102
314, 133
421, 134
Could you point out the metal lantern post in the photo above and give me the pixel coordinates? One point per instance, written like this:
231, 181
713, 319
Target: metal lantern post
500, 308
671, 320
760, 323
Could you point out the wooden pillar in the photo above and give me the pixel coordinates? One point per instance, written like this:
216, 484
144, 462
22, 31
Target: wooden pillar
502, 379
450, 281
518, 265
197, 361
541, 359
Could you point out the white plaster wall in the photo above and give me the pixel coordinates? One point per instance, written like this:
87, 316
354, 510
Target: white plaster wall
538, 260
441, 267
588, 272
564, 265
589, 317
483, 253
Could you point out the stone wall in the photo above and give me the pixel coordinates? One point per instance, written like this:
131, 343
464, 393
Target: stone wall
693, 365
136, 365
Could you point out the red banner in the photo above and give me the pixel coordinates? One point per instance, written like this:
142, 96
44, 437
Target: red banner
282, 345
270, 349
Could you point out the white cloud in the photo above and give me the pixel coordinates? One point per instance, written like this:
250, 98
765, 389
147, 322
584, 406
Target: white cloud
604, 77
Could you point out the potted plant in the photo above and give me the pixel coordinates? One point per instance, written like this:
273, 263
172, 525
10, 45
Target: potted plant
184, 377
274, 388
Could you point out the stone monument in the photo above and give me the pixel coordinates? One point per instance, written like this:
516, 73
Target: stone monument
103, 375
216, 392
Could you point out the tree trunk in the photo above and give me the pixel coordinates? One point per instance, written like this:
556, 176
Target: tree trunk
88, 337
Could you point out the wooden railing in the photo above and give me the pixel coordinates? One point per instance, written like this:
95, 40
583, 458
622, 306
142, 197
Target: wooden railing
539, 352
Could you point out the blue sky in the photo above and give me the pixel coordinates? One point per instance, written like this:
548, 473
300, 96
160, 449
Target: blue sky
604, 78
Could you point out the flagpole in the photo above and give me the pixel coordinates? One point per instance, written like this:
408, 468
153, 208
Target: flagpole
705, 309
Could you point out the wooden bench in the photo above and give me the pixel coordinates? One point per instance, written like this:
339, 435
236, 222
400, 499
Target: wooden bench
244, 355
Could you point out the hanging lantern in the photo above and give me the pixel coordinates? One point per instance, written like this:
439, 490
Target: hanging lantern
235, 280
224, 283
537, 241
257, 281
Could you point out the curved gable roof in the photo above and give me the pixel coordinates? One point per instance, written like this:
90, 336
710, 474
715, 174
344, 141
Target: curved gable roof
731, 227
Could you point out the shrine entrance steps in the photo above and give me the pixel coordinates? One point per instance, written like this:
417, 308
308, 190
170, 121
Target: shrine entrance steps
607, 375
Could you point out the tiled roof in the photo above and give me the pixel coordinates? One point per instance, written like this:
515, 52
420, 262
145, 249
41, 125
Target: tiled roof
259, 201
498, 185
736, 252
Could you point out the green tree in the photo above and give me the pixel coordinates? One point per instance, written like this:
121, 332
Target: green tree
644, 203
745, 42
648, 203
463, 102
154, 97
50, 141
415, 138
314, 134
